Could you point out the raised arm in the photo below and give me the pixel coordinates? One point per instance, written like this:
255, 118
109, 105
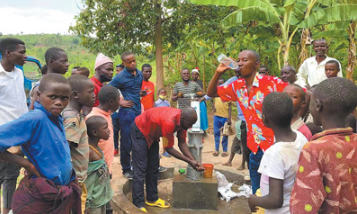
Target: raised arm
212, 87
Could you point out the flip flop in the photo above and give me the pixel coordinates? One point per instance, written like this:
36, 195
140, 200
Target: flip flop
159, 203
215, 153
143, 209
224, 154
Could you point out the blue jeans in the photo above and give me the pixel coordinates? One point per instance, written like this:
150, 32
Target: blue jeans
254, 163
218, 122
115, 120
126, 117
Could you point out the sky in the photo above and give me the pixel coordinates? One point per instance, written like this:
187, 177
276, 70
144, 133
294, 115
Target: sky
37, 16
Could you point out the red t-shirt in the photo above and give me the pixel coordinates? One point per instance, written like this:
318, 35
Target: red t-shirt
148, 99
161, 122
258, 135
97, 86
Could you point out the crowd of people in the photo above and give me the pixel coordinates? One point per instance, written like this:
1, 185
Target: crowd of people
297, 133
69, 133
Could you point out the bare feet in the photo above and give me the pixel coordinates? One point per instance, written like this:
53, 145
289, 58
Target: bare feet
227, 164
242, 167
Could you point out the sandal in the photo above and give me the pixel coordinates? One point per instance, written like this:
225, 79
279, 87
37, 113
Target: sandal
215, 153
159, 203
224, 154
143, 209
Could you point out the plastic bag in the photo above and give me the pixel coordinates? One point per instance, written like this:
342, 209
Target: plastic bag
224, 188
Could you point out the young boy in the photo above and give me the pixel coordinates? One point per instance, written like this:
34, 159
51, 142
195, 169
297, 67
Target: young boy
327, 175
147, 88
42, 137
108, 103
332, 68
351, 122
98, 180
81, 71
56, 62
219, 119
297, 95
76, 132
12, 106
162, 102
279, 163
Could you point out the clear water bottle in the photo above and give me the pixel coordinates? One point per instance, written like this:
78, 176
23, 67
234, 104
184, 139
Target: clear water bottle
227, 61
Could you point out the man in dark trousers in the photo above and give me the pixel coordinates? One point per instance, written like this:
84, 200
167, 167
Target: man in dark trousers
129, 83
145, 133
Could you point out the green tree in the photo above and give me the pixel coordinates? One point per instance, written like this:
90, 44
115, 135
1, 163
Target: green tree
344, 13
113, 26
283, 16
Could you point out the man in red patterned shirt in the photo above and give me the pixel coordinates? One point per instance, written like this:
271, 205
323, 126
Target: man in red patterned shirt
326, 181
145, 133
250, 92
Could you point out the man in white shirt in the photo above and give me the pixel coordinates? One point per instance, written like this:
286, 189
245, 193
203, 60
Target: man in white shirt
312, 70
12, 105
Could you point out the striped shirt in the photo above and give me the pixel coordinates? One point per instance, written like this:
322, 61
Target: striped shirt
188, 90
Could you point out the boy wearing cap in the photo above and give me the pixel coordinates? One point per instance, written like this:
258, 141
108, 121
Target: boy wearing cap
103, 73
195, 74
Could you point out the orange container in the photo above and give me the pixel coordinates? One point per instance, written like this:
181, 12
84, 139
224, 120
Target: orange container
208, 170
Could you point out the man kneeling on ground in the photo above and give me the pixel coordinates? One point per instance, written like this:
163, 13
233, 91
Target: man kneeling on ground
145, 133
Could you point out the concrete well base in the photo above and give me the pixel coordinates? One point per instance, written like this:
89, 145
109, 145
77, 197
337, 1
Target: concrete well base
190, 194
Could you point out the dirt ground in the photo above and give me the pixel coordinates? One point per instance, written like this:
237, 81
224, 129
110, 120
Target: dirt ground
207, 157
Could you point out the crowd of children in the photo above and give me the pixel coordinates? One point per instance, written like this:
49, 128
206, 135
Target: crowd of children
69, 134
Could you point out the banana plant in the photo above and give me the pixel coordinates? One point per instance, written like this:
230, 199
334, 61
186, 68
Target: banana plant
284, 16
341, 12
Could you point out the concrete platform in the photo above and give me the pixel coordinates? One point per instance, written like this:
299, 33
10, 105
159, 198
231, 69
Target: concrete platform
190, 194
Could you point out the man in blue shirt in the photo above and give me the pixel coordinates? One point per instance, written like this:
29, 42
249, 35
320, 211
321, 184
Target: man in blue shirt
129, 83
41, 135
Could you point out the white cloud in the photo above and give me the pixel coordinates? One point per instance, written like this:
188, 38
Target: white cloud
34, 20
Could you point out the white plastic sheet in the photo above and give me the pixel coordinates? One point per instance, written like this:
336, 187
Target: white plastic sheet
224, 188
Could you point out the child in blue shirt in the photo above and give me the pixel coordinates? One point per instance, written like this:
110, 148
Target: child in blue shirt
162, 102
41, 135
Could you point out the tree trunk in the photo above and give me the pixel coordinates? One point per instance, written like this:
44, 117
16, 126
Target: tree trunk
158, 46
305, 39
351, 50
204, 72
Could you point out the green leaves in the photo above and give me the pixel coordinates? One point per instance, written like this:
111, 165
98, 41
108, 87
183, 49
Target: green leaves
238, 3
247, 14
336, 13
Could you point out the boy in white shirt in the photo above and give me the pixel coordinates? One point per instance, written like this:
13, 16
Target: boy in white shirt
279, 163
12, 106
